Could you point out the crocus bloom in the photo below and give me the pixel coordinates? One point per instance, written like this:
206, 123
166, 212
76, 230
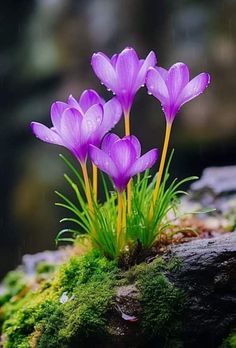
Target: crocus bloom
123, 74
120, 158
76, 124
173, 88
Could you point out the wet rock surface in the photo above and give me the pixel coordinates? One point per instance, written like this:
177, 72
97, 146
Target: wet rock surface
216, 187
208, 277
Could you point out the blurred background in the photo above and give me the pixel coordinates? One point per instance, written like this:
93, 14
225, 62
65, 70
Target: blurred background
45, 52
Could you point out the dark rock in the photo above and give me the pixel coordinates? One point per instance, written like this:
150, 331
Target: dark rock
215, 184
208, 277
217, 180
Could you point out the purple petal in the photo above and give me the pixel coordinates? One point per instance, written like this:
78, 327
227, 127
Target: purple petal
71, 127
111, 116
91, 120
157, 86
88, 98
195, 87
102, 161
144, 162
114, 59
57, 109
150, 61
127, 66
177, 79
136, 144
72, 102
108, 141
104, 70
123, 155
46, 134
163, 72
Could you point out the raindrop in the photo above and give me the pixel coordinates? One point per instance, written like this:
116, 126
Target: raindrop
64, 298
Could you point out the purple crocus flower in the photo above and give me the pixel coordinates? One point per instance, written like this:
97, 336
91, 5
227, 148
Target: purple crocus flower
123, 74
76, 124
120, 158
173, 88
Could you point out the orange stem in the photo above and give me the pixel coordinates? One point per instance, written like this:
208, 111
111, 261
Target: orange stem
161, 168
95, 181
127, 133
119, 219
87, 187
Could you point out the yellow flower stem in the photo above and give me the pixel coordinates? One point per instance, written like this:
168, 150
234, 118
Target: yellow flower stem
87, 187
127, 123
161, 168
127, 132
124, 215
95, 181
119, 219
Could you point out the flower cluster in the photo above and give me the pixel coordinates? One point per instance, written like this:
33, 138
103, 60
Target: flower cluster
83, 125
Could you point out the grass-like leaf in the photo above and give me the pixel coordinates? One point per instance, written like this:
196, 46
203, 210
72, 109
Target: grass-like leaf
102, 224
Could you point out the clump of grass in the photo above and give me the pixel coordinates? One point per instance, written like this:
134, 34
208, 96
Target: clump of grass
100, 227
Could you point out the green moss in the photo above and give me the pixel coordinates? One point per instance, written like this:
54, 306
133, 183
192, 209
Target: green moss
43, 320
44, 267
162, 302
14, 283
90, 268
74, 306
230, 341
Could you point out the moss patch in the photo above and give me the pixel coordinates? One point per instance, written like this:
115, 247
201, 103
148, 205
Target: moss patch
77, 306
162, 303
14, 283
230, 342
67, 310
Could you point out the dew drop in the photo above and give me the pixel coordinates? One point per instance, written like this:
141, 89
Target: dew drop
64, 298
